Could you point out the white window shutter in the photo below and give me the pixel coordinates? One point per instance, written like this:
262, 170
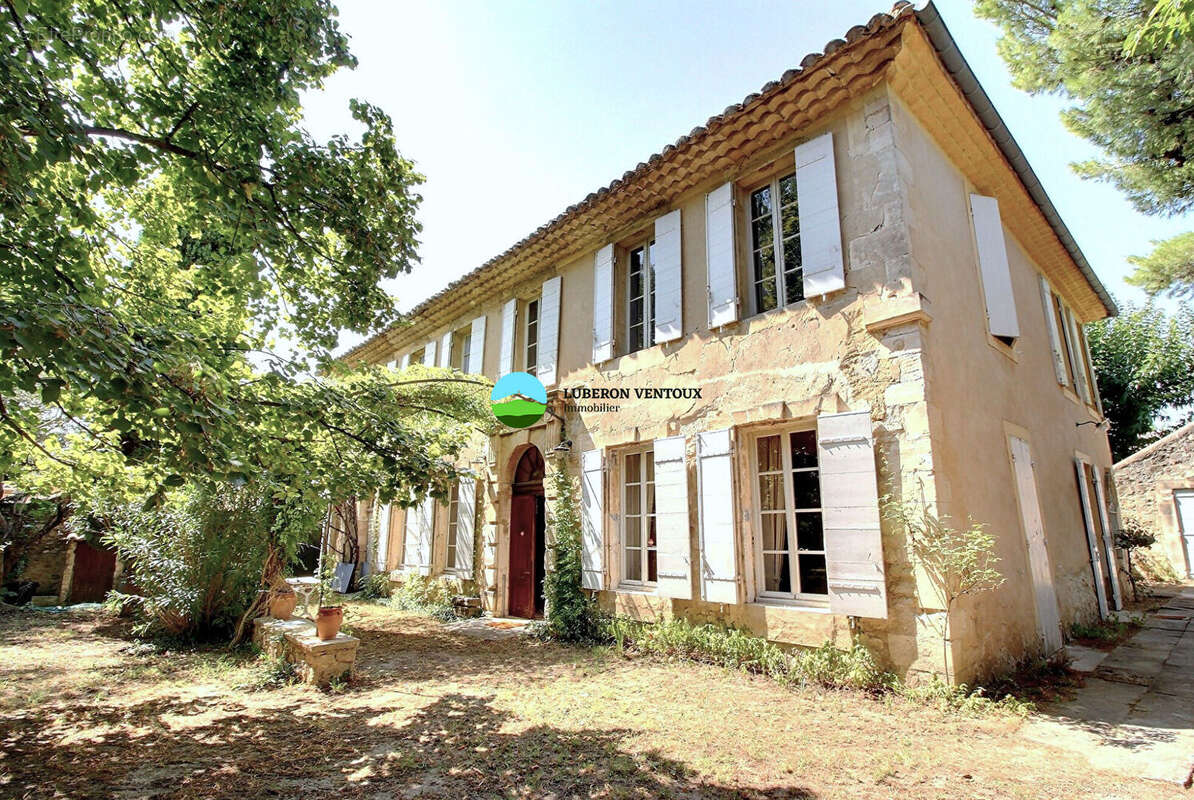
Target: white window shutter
671, 518
445, 350
820, 222
1076, 362
426, 534
850, 515
603, 304
1108, 540
1054, 334
429, 354
466, 497
715, 513
383, 538
721, 277
506, 362
592, 494
1094, 389
476, 347
992, 263
410, 540
668, 279
404, 362
1092, 542
549, 331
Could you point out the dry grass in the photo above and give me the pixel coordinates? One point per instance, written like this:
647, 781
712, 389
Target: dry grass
439, 714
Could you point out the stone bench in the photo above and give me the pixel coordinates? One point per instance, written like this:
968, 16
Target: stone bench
294, 639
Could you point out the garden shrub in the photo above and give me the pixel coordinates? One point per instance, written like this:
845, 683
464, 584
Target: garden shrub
826, 666
376, 586
426, 596
195, 563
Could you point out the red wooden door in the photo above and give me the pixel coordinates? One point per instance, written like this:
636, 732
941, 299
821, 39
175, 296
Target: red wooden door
521, 599
92, 577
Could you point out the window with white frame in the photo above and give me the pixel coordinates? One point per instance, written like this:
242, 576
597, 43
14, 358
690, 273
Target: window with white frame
462, 341
775, 245
640, 297
417, 356
532, 336
790, 545
453, 509
639, 556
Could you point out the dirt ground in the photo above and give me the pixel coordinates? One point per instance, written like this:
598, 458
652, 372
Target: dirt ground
87, 712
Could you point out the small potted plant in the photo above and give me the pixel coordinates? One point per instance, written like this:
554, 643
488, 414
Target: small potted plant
329, 618
282, 601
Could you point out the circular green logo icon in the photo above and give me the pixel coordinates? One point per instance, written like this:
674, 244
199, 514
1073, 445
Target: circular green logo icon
518, 400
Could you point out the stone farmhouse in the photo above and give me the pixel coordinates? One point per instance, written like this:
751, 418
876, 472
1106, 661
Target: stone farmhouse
866, 293
1156, 488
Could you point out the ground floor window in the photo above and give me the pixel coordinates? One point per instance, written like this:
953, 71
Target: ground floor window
453, 528
790, 545
639, 565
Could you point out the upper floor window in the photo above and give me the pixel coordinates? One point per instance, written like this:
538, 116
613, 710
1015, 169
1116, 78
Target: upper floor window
462, 341
417, 356
775, 244
532, 336
639, 555
641, 297
790, 543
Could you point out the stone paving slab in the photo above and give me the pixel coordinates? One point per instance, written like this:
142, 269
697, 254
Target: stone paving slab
1135, 713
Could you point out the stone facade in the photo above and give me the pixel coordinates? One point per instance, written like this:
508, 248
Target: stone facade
1147, 482
904, 342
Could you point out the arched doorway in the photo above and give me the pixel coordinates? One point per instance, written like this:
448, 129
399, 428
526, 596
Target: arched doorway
526, 547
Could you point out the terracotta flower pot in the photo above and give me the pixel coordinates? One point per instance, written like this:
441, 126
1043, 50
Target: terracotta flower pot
282, 603
328, 621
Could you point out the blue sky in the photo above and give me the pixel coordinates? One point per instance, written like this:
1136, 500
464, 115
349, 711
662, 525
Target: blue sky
515, 110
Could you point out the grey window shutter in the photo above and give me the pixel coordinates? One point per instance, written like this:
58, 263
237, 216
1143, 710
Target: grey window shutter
509, 313
1055, 342
603, 304
466, 497
445, 350
1108, 540
1092, 542
715, 511
1076, 351
549, 332
404, 362
668, 279
721, 276
476, 347
993, 267
671, 518
850, 515
592, 491
820, 222
429, 354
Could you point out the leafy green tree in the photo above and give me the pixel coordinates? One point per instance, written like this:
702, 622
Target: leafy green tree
1143, 362
166, 222
1128, 74
1169, 268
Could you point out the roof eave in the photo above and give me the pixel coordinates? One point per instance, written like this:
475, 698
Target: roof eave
955, 64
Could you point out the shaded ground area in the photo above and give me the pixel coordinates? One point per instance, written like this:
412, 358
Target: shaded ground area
1135, 712
85, 712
